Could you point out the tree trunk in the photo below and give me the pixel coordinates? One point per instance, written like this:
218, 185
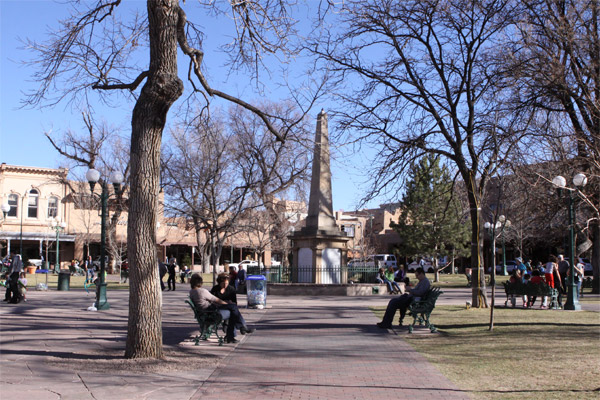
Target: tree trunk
478, 292
595, 228
162, 88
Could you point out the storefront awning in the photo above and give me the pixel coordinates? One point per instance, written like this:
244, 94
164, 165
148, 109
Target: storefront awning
35, 236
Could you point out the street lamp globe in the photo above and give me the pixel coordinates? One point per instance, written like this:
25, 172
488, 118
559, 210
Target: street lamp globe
93, 175
487, 225
5, 208
116, 178
559, 182
501, 219
63, 225
579, 180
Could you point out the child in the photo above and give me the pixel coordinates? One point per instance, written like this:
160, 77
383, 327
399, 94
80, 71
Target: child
23, 285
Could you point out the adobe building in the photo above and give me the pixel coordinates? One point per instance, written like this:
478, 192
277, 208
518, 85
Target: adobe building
39, 197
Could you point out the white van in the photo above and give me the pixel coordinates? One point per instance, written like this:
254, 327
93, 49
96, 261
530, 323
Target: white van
375, 261
385, 260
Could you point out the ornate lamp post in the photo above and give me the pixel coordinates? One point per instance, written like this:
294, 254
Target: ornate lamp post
560, 183
504, 223
58, 227
116, 178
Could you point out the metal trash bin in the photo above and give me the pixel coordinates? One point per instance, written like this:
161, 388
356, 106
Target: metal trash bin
64, 280
256, 286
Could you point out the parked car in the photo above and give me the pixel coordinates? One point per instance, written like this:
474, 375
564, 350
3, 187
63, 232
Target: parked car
587, 266
97, 261
428, 267
275, 263
510, 266
375, 261
244, 264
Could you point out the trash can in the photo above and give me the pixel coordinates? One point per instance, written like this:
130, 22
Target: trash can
64, 279
256, 286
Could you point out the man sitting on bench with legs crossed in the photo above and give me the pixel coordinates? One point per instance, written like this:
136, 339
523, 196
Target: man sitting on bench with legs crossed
404, 301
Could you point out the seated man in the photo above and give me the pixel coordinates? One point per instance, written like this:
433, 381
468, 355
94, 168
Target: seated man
204, 300
404, 301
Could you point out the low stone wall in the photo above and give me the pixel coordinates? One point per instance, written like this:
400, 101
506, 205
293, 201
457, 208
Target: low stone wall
311, 289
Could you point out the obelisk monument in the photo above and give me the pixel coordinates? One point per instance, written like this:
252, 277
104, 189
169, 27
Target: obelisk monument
320, 247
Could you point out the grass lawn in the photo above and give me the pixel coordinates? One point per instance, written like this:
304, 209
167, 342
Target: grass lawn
530, 354
457, 280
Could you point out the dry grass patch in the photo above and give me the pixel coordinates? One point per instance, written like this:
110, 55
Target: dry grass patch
533, 354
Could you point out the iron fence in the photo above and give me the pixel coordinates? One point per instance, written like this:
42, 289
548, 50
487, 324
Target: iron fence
331, 274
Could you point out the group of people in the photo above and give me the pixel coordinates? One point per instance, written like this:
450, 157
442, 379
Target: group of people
170, 268
391, 277
223, 298
556, 273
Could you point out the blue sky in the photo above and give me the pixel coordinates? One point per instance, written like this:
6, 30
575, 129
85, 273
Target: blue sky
22, 140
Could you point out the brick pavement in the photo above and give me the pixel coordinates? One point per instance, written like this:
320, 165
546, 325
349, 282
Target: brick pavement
325, 348
305, 348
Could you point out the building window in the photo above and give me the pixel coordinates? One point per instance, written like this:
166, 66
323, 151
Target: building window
52, 207
34, 198
13, 202
349, 229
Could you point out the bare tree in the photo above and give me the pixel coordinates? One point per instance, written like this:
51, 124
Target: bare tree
277, 170
554, 59
98, 149
429, 86
96, 49
205, 183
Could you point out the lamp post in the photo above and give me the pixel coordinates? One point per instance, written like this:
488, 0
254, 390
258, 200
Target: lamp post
58, 227
560, 183
504, 223
116, 178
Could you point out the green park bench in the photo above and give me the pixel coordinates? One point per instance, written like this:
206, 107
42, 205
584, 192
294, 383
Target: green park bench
209, 322
421, 310
519, 288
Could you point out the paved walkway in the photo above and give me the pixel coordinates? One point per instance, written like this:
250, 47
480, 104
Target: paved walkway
328, 348
305, 348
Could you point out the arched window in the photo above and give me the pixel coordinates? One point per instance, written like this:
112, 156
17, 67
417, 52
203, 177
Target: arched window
53, 207
34, 199
13, 202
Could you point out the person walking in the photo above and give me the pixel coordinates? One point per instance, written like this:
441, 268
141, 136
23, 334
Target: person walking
171, 280
162, 271
16, 267
563, 269
89, 267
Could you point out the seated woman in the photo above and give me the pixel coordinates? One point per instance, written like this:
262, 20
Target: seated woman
223, 290
390, 282
204, 300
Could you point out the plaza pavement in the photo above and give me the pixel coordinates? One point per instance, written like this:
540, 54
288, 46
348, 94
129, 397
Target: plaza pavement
304, 348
